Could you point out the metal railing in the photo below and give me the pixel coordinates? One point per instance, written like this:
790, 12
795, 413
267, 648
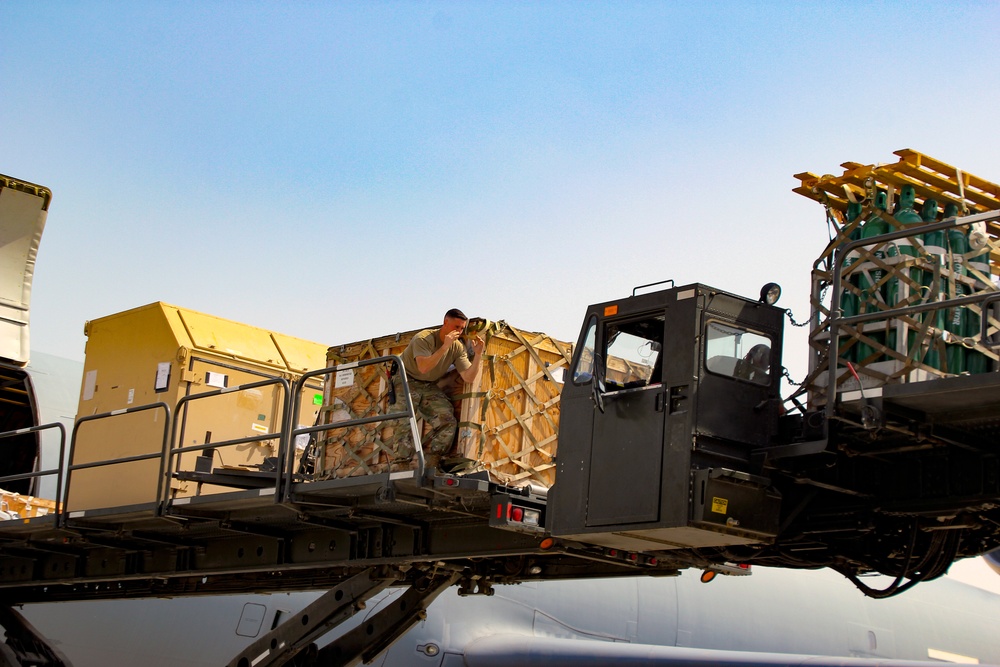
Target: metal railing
71, 467
837, 320
57, 471
173, 452
408, 414
170, 451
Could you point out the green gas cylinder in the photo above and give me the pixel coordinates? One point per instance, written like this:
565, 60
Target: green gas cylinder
872, 294
897, 287
958, 245
934, 246
848, 299
976, 362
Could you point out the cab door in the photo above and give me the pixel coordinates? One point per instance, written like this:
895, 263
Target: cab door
627, 442
738, 385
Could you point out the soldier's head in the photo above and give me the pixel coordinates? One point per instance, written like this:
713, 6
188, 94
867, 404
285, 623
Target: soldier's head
454, 320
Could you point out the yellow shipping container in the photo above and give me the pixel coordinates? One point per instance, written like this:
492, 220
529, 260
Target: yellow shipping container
161, 353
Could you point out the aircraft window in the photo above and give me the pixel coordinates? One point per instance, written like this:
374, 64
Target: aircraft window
251, 619
738, 353
633, 353
584, 370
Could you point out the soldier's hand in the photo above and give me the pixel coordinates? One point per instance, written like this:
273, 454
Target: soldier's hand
478, 345
451, 337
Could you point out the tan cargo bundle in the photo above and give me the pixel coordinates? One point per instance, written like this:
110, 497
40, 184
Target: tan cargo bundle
16, 506
508, 418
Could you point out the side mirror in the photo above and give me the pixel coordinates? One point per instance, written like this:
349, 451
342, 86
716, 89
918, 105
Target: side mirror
598, 387
598, 395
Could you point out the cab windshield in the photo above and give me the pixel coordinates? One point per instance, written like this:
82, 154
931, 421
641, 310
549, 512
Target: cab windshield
737, 353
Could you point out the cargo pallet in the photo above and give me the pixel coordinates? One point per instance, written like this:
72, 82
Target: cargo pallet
900, 339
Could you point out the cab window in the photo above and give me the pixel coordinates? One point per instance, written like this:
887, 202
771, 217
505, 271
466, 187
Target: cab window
633, 353
584, 370
737, 353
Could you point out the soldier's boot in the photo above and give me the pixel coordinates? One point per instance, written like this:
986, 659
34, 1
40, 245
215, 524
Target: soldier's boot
398, 464
432, 461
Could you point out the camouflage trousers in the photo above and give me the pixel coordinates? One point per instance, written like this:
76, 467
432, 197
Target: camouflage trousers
431, 404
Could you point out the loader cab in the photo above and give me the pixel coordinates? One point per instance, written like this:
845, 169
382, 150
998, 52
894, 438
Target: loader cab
669, 396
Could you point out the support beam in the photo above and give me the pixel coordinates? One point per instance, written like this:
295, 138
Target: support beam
294, 638
298, 632
25, 645
376, 634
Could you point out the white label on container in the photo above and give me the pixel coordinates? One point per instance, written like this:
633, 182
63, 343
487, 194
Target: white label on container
89, 385
162, 376
131, 396
219, 380
686, 294
302, 440
345, 378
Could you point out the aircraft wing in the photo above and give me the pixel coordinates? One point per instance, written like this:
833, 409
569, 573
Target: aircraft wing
524, 651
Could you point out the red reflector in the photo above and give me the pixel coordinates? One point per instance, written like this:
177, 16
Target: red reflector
633, 557
499, 511
450, 482
613, 552
517, 514
653, 561
744, 566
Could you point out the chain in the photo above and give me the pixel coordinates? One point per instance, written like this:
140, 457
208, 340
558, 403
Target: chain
791, 318
788, 376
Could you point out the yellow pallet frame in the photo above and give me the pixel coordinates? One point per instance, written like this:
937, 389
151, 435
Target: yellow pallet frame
930, 178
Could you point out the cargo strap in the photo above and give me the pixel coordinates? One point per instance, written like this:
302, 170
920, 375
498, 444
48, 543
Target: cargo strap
509, 453
480, 441
960, 179
488, 329
534, 355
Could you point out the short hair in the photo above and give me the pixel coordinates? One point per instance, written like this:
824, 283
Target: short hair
455, 314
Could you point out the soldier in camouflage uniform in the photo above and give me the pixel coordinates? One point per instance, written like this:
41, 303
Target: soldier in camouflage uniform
427, 359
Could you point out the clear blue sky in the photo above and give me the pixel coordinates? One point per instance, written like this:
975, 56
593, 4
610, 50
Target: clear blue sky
337, 171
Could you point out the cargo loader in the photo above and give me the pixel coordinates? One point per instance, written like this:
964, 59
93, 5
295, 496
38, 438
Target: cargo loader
210, 457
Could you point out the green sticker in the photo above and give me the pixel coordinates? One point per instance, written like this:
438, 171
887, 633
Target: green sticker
261, 418
317, 399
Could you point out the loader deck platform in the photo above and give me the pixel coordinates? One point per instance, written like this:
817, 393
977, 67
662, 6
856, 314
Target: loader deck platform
303, 535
